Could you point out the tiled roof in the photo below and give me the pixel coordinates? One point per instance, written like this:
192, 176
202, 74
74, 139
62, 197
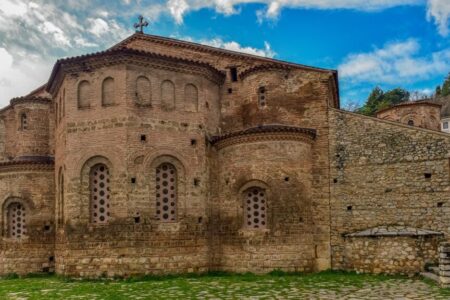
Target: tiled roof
409, 103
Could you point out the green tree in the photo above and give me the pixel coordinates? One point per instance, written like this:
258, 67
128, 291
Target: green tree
445, 91
396, 96
438, 91
373, 101
378, 100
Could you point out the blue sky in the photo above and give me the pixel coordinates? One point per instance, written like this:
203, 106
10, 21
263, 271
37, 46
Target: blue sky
390, 43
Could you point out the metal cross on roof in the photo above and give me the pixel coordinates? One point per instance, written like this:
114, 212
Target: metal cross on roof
140, 26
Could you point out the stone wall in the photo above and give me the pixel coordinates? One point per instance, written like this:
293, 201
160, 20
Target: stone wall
391, 250
385, 173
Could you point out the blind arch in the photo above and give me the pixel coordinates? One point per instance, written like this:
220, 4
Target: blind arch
108, 92
191, 98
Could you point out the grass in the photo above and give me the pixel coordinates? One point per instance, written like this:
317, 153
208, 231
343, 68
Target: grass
276, 285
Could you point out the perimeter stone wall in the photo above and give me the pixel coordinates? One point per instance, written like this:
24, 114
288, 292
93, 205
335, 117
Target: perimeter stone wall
385, 173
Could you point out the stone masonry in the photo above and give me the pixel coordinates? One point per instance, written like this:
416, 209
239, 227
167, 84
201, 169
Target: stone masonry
162, 156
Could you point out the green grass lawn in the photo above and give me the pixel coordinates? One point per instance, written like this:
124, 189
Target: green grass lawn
325, 285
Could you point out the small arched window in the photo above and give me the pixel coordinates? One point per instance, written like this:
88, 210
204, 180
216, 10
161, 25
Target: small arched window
23, 121
143, 91
84, 94
16, 220
108, 92
255, 208
262, 96
410, 122
191, 98
168, 95
166, 192
99, 179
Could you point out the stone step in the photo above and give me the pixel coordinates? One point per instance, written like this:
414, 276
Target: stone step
431, 276
434, 270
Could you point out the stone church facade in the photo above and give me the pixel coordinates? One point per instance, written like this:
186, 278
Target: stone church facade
164, 156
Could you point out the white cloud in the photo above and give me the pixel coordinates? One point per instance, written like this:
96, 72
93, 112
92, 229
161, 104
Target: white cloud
98, 27
178, 8
13, 8
18, 78
395, 63
54, 31
235, 46
439, 10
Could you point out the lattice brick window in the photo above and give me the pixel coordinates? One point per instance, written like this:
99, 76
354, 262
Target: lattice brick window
100, 194
16, 220
166, 192
24, 122
262, 96
255, 208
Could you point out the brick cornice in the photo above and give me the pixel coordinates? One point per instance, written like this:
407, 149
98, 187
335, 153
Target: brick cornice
26, 99
265, 133
263, 68
28, 164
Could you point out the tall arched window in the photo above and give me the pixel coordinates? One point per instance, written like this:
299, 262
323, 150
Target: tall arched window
191, 97
168, 95
262, 96
61, 198
143, 91
23, 121
255, 208
108, 92
166, 192
100, 193
16, 220
84, 94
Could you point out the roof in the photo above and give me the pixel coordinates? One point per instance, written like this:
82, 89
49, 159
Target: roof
24, 99
410, 103
211, 49
393, 231
123, 47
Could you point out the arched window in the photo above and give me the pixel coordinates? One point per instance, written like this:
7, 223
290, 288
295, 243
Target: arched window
410, 122
56, 113
16, 216
61, 198
166, 192
168, 95
143, 91
262, 96
84, 94
23, 121
108, 92
191, 97
255, 208
100, 193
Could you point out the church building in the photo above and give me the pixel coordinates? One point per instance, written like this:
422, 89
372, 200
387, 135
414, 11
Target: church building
161, 156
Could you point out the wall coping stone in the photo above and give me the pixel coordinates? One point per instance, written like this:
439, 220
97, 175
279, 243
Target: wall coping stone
393, 231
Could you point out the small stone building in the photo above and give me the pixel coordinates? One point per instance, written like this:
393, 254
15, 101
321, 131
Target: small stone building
425, 114
164, 156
